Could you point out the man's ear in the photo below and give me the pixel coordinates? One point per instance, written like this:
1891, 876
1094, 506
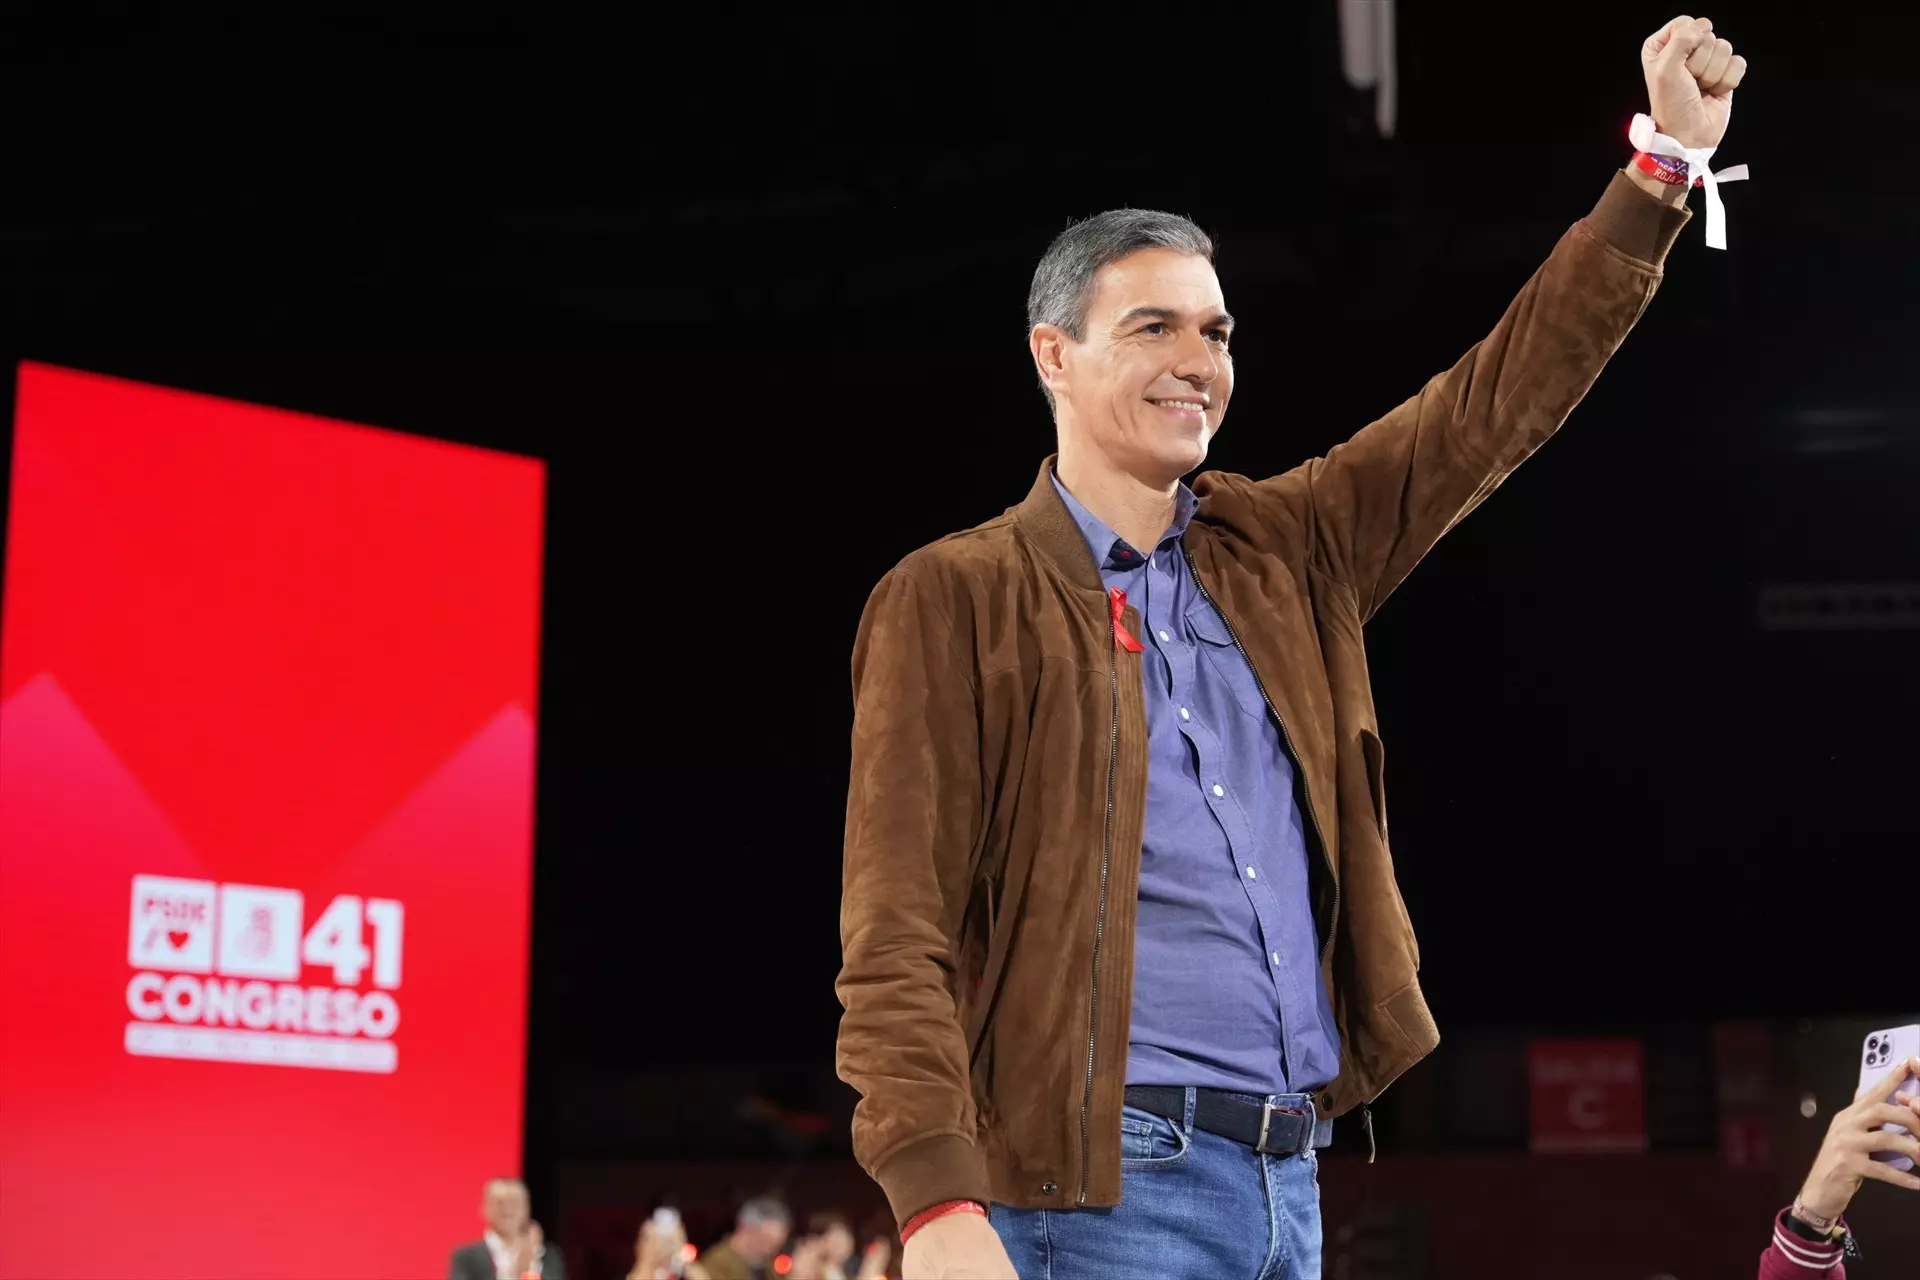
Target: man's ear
1048, 344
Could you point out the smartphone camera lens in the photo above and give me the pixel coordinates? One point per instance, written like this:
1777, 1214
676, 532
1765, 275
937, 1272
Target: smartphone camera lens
1873, 1042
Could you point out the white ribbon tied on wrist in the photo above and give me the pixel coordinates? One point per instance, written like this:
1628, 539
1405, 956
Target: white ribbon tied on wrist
1646, 137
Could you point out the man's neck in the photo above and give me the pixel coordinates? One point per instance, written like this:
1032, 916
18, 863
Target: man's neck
1135, 509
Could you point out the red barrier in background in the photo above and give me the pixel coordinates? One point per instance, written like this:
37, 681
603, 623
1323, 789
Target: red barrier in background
1621, 1217
267, 697
1470, 1217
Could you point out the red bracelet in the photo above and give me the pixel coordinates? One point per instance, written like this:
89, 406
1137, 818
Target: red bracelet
925, 1216
1663, 168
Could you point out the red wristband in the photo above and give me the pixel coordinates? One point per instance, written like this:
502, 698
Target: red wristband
925, 1216
1664, 169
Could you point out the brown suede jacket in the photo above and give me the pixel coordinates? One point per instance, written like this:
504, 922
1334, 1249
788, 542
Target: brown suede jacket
999, 774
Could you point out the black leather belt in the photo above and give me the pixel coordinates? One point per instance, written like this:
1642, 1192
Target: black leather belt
1270, 1130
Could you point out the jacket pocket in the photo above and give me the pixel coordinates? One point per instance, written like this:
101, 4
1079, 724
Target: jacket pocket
1376, 758
1375, 754
984, 955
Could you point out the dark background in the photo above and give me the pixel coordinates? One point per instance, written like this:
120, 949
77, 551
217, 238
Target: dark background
753, 288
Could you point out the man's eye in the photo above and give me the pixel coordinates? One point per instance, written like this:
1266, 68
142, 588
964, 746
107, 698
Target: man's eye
1156, 328
1218, 335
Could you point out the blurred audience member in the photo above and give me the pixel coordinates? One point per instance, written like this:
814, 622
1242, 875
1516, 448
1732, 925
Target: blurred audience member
513, 1246
759, 1230
826, 1249
659, 1253
1811, 1238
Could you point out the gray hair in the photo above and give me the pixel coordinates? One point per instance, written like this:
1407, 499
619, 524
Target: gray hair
1063, 282
760, 1210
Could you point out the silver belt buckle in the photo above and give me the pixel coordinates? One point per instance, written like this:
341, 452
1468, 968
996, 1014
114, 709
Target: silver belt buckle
1266, 1123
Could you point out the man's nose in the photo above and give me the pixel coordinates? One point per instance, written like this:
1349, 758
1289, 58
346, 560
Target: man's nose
1199, 363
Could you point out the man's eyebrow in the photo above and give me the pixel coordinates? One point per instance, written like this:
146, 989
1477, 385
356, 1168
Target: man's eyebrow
1220, 321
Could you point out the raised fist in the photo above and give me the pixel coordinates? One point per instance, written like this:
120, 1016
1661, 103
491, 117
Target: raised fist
1691, 75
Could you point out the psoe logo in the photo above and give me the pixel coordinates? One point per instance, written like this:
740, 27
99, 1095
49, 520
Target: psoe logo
218, 972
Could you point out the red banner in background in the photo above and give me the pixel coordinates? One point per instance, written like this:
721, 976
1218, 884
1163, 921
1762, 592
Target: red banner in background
267, 699
1587, 1096
1743, 1056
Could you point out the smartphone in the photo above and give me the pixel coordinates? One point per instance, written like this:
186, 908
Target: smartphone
1877, 1057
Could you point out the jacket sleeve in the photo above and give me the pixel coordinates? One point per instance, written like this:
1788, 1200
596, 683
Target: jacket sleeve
461, 1266
1376, 504
1788, 1257
913, 821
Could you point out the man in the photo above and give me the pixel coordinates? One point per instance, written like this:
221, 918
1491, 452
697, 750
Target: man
513, 1246
1120, 929
759, 1229
825, 1252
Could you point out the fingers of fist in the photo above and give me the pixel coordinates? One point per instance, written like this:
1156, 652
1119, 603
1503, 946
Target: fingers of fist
1716, 66
1679, 38
1708, 58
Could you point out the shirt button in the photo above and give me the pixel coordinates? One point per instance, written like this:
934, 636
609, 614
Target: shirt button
1184, 714
1275, 956
1219, 790
1252, 874
1164, 637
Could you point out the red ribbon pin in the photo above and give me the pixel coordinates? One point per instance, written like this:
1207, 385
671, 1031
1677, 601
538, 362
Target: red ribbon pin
1118, 599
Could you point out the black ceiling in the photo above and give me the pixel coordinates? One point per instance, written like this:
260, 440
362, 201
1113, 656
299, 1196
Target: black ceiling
724, 274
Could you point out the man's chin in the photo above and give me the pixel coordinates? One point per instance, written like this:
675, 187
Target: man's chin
1170, 465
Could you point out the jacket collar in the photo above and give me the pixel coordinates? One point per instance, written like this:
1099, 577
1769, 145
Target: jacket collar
1047, 522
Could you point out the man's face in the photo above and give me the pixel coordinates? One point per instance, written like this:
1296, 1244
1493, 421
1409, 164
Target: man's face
837, 1245
1148, 384
505, 1209
764, 1239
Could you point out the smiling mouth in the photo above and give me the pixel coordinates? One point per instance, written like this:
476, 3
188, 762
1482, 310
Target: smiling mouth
1182, 406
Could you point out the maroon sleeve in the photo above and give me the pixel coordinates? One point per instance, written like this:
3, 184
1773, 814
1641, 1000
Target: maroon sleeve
1789, 1257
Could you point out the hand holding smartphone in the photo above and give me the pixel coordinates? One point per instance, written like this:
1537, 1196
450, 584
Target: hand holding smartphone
1881, 1051
661, 1249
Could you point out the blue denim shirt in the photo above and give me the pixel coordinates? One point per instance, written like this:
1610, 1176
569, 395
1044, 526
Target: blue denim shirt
1226, 988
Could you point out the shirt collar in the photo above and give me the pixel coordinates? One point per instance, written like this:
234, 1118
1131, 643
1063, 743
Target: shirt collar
1110, 550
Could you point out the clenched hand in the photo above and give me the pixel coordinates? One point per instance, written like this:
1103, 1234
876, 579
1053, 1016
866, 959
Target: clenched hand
1691, 75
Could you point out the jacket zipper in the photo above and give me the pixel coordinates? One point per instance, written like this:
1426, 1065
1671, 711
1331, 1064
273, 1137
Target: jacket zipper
1312, 817
1333, 916
1100, 919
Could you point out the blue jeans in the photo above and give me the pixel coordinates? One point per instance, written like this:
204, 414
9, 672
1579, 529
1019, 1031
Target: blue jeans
1193, 1206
